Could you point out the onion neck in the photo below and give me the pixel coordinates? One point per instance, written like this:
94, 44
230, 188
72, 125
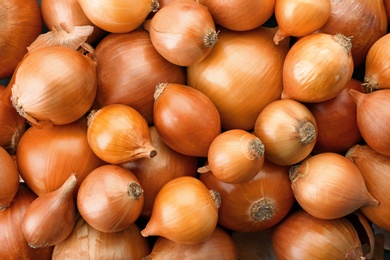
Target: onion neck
159, 90
370, 84
155, 6
216, 197
263, 210
254, 149
343, 41
210, 38
306, 132
135, 191
294, 173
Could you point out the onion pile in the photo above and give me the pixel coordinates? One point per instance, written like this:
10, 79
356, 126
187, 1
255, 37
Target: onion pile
147, 129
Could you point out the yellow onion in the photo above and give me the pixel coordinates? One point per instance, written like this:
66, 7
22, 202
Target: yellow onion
44, 72
117, 16
241, 76
185, 211
330, 186
288, 131
85, 242
9, 179
317, 67
300, 17
114, 189
235, 156
183, 32
185, 118
117, 134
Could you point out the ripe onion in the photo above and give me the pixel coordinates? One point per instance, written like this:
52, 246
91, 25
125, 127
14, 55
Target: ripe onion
288, 131
317, 67
329, 186
241, 76
9, 179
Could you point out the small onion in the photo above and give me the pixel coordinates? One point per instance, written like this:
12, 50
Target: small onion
329, 186
288, 131
9, 179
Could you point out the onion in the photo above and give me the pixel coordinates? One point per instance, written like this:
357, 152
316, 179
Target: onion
241, 76
336, 121
255, 205
86, 242
365, 21
47, 156
129, 69
240, 15
317, 67
110, 188
254, 245
329, 186
9, 179
117, 133
183, 32
300, 17
184, 211
375, 169
370, 107
154, 174
22, 23
288, 131
13, 243
185, 118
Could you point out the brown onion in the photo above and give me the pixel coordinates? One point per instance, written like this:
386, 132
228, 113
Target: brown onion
21, 24
241, 75
191, 38
185, 211
47, 156
154, 174
370, 108
129, 69
365, 21
114, 189
9, 179
288, 131
254, 245
117, 134
185, 118
218, 246
329, 186
336, 121
13, 243
85, 242
255, 205
375, 169
317, 67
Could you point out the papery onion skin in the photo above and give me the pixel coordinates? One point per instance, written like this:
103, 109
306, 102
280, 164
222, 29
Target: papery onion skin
288, 131
85, 242
153, 174
47, 156
255, 205
375, 169
329, 186
9, 179
36, 95
302, 236
300, 17
371, 107
317, 67
110, 188
21, 24
118, 133
241, 77
184, 211
13, 243
185, 118
128, 70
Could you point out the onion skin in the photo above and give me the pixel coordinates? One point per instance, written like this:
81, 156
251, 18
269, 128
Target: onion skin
375, 169
9, 179
241, 77
196, 121
317, 67
336, 121
255, 205
22, 23
302, 236
13, 243
370, 107
329, 186
154, 174
85, 242
128, 70
364, 21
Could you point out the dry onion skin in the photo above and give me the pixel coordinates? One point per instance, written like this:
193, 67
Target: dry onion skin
317, 67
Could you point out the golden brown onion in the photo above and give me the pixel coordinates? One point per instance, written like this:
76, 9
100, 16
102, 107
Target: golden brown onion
9, 179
